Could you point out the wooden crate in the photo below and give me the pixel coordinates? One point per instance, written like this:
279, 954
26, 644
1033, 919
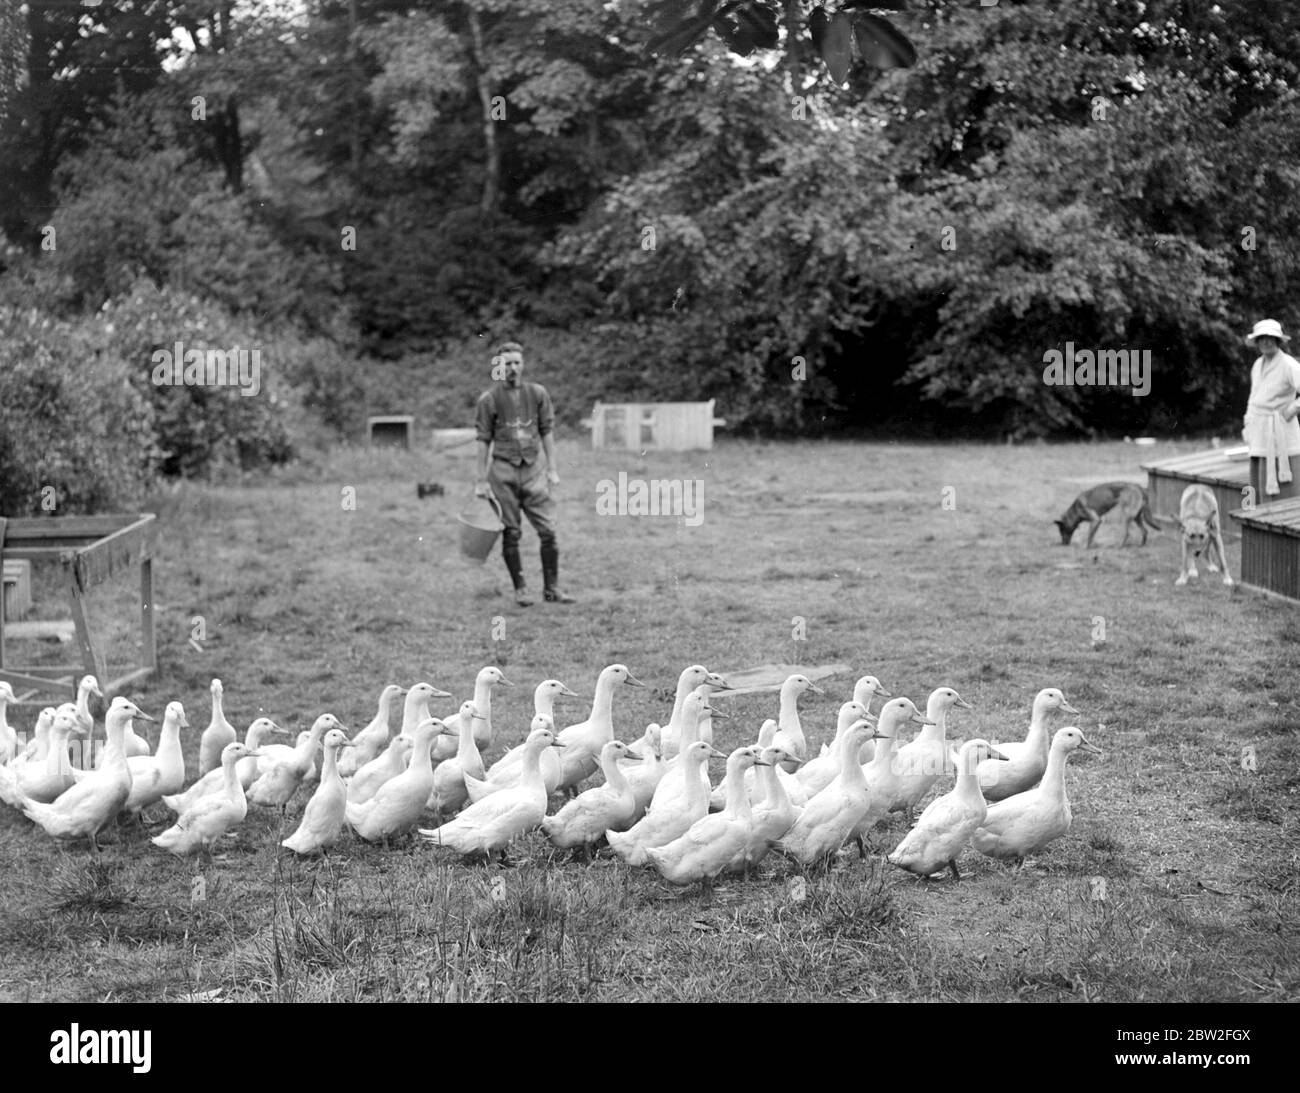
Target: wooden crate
654, 426
1225, 470
1270, 547
391, 431
91, 550
16, 577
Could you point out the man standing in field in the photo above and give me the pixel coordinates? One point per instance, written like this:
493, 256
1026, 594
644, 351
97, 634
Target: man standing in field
514, 422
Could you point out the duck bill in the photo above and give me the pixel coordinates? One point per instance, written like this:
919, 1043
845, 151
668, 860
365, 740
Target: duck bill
713, 711
718, 683
921, 719
633, 756
566, 693
632, 681
1067, 708
814, 688
962, 704
503, 682
995, 754
439, 694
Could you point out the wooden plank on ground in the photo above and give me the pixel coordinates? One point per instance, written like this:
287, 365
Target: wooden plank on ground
769, 677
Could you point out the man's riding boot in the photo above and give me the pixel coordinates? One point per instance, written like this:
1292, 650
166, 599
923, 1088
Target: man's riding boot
515, 566
551, 575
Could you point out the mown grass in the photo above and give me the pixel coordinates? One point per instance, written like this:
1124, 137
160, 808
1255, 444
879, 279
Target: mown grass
1177, 882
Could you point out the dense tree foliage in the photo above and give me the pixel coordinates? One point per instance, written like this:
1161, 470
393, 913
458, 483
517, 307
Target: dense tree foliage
823, 214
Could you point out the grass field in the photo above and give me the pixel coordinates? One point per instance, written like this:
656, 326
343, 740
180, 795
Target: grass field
308, 606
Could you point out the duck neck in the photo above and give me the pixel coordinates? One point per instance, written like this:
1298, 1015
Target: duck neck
937, 711
1036, 738
695, 782
614, 777
329, 771
774, 790
83, 706
466, 750
602, 706
422, 753
218, 714
737, 794
884, 754
851, 772
789, 716
968, 783
689, 726
1053, 782
234, 787
544, 705
532, 772
483, 698
169, 739
115, 729
57, 762
307, 749
683, 689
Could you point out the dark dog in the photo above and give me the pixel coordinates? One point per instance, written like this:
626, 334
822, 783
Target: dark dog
429, 489
1091, 505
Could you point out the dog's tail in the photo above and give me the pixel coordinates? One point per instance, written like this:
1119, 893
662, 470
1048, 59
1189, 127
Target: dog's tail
1157, 523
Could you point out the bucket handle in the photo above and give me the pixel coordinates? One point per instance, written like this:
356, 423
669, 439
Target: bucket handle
491, 499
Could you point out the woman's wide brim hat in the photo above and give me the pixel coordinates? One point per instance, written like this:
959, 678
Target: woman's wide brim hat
1267, 328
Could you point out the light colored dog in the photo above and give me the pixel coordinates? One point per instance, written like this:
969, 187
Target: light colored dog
1198, 516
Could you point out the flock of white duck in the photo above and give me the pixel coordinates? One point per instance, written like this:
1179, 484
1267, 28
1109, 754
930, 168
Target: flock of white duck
656, 805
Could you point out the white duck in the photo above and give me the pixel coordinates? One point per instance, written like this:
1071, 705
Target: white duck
829, 817
155, 776
322, 819
217, 735
486, 679
549, 764
449, 793
711, 843
773, 814
691, 679
674, 819
669, 792
38, 747
948, 822
766, 732
43, 781
789, 730
644, 776
273, 787
415, 710
489, 825
8, 738
396, 806
866, 689
506, 770
884, 783
84, 809
1027, 760
919, 764
608, 807
388, 764
583, 741
816, 774
1022, 825
371, 740
246, 770
210, 817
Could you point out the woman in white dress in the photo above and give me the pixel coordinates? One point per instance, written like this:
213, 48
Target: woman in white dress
1271, 429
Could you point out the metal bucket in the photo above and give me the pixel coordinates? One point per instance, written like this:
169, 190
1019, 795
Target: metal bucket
480, 525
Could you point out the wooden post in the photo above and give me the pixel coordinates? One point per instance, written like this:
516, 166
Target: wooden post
148, 647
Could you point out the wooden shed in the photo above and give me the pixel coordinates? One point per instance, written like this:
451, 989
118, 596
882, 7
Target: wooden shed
1270, 547
1225, 470
654, 426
